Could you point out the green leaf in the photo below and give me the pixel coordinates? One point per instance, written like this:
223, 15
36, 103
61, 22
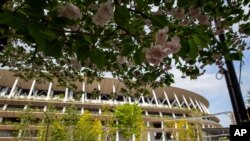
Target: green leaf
50, 35
199, 41
202, 35
81, 47
138, 57
122, 15
11, 21
184, 49
236, 56
127, 50
53, 49
159, 20
37, 4
34, 31
183, 3
193, 52
98, 58
139, 4
87, 38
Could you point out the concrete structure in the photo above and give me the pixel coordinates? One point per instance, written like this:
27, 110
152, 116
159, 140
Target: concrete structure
16, 94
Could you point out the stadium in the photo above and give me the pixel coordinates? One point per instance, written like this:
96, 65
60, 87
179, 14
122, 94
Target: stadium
162, 103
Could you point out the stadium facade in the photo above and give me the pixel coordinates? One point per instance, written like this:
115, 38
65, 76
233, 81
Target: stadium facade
166, 102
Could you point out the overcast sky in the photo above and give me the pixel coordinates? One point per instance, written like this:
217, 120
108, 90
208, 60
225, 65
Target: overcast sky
216, 90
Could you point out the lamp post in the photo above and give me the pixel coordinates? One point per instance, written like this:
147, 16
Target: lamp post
233, 86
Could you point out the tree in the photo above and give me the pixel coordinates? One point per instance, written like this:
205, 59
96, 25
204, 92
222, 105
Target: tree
134, 40
59, 131
109, 128
129, 121
69, 121
196, 117
24, 131
44, 131
87, 129
186, 131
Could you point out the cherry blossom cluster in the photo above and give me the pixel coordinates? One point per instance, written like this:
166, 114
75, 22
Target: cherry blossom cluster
190, 16
69, 11
104, 14
156, 53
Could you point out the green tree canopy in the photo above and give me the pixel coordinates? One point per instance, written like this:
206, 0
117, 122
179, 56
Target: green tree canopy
87, 129
129, 120
132, 39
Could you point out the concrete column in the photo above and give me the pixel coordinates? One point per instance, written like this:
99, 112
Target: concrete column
177, 100
166, 97
31, 89
117, 133
204, 108
13, 88
160, 113
149, 136
82, 110
25, 107
156, 100
163, 132
185, 100
83, 97
143, 100
129, 100
83, 86
64, 109
192, 102
45, 108
66, 95
198, 105
5, 107
49, 91
133, 137
99, 88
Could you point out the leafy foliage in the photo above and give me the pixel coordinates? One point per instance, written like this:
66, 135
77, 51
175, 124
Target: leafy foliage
129, 121
45, 41
24, 128
87, 129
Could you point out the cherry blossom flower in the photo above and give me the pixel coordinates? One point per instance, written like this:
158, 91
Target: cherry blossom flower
175, 39
154, 61
155, 54
69, 11
194, 12
180, 13
76, 64
203, 19
74, 27
103, 14
93, 6
161, 36
130, 64
121, 59
173, 46
184, 23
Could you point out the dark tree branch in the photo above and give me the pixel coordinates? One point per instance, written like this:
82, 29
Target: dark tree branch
140, 13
